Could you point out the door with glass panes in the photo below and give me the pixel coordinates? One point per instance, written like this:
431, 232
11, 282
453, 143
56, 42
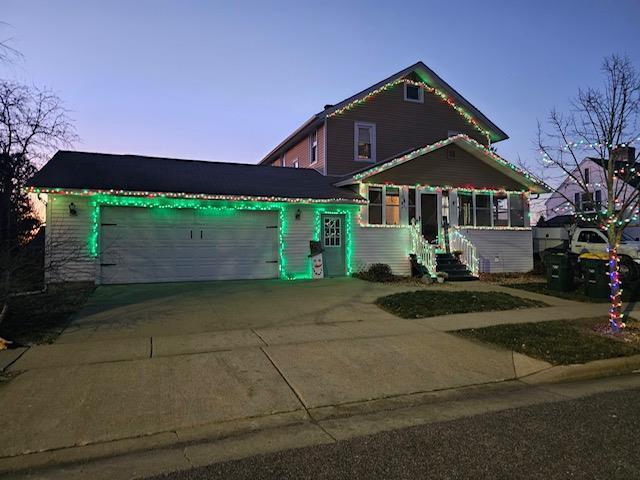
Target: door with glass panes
333, 245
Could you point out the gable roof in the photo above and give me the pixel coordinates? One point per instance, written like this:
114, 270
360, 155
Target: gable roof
100, 172
427, 75
463, 141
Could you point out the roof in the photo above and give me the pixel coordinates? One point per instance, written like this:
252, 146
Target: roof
135, 173
425, 73
463, 141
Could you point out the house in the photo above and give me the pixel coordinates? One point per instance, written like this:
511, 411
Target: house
571, 197
405, 166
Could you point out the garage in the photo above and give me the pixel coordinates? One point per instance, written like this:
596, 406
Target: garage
145, 245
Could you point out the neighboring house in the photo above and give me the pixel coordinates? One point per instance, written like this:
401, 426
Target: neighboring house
402, 167
571, 196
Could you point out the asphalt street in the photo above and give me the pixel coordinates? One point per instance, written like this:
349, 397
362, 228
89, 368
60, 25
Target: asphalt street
596, 437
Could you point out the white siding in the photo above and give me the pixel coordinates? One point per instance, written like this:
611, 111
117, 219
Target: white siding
382, 245
66, 245
298, 235
502, 250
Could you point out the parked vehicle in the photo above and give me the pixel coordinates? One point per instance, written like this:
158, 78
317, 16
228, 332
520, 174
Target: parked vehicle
576, 240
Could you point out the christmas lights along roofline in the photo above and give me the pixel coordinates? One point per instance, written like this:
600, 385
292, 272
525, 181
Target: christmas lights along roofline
533, 183
138, 176
430, 80
189, 196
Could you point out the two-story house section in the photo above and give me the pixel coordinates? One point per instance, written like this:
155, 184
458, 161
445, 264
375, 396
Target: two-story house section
401, 170
417, 150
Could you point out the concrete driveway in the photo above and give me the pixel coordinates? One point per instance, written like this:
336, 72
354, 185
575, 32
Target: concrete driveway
167, 363
147, 310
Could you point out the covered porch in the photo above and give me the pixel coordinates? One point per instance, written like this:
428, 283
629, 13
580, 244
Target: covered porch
456, 196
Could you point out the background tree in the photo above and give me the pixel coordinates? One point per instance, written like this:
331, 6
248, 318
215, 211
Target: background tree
601, 123
33, 123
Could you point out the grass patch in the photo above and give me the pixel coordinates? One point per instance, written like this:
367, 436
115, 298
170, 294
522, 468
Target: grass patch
40, 318
425, 303
630, 292
561, 342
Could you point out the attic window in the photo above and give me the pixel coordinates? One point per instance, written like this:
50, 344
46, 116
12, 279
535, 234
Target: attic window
413, 93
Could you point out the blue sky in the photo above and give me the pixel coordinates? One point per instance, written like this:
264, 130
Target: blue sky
229, 80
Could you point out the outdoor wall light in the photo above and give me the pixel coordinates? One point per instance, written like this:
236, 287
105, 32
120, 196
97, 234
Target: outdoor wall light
298, 214
72, 209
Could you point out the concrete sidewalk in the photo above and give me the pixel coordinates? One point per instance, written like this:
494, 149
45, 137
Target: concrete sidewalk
67, 395
83, 393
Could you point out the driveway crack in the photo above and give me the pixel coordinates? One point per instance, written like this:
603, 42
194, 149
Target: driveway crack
312, 420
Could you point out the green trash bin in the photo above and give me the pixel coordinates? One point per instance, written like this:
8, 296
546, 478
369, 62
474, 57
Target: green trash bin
559, 272
596, 277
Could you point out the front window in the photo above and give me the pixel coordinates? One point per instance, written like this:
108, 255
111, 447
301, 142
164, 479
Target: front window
500, 210
483, 210
365, 142
412, 205
392, 206
516, 209
375, 205
465, 209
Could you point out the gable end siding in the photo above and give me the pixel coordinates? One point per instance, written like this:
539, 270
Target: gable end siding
400, 126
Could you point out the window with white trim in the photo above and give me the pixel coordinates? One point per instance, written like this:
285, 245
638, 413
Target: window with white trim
313, 147
412, 204
392, 205
365, 142
587, 178
375, 205
413, 93
295, 163
500, 210
483, 209
517, 203
465, 209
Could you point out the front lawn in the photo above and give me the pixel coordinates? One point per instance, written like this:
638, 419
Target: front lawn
562, 342
40, 318
630, 292
426, 303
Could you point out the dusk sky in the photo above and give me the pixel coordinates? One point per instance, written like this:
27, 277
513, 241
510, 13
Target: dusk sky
229, 80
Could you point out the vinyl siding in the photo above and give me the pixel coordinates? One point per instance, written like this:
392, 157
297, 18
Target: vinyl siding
382, 245
400, 126
301, 151
502, 250
438, 169
299, 234
67, 256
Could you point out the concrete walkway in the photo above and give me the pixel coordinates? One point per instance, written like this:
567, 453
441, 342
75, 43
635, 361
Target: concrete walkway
96, 385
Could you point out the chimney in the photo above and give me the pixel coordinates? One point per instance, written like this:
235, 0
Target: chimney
624, 153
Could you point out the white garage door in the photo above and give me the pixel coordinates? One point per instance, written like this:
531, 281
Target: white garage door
140, 245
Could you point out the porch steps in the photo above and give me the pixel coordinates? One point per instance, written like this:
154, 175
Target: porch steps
455, 269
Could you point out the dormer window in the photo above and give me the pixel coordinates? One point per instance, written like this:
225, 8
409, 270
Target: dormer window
413, 93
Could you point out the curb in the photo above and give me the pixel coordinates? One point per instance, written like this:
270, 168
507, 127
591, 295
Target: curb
583, 371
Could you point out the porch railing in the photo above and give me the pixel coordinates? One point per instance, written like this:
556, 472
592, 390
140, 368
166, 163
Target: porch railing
424, 251
458, 242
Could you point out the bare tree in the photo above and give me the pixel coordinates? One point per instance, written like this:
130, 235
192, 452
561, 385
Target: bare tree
601, 124
33, 123
7, 52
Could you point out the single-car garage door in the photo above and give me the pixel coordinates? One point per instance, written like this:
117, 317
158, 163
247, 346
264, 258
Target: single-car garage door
140, 245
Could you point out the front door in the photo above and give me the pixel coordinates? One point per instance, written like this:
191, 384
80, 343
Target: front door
429, 216
333, 245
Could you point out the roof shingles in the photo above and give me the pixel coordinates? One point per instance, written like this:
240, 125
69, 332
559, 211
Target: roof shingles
99, 171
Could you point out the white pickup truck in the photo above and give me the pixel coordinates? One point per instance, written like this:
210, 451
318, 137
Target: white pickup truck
579, 240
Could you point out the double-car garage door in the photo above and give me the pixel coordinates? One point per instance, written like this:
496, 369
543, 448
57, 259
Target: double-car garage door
141, 245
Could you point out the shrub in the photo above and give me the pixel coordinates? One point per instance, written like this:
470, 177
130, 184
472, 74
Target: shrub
377, 272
